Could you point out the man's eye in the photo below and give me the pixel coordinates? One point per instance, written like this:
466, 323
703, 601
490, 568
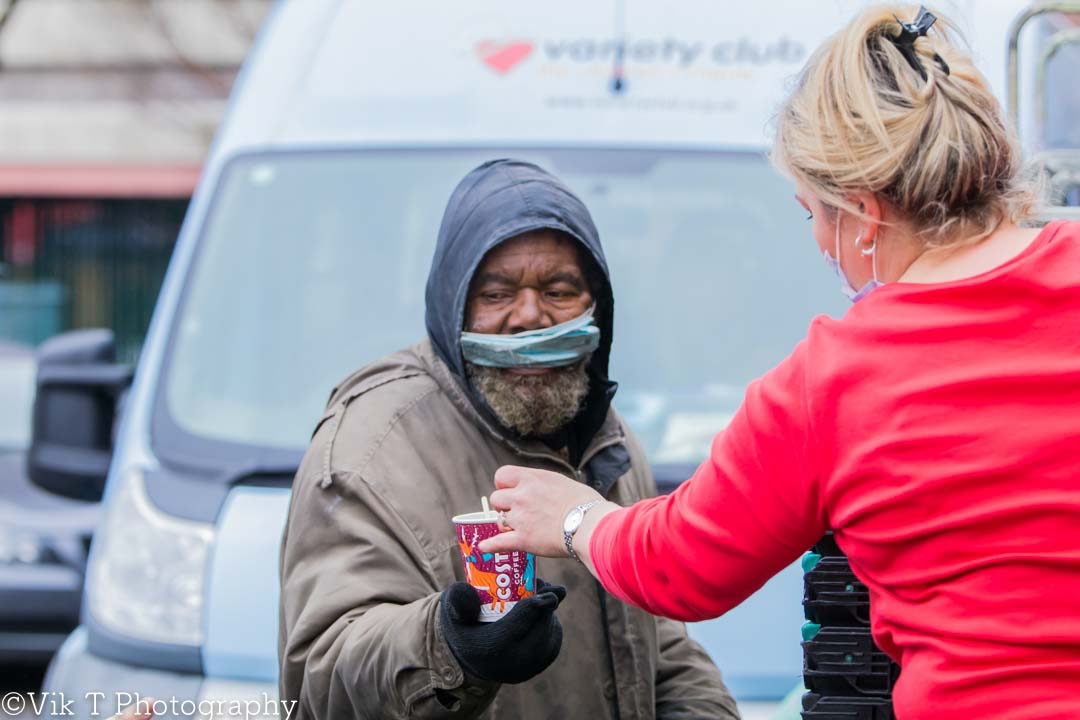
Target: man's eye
810, 216
494, 296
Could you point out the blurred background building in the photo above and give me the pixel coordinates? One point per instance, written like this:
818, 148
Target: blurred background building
107, 109
1055, 102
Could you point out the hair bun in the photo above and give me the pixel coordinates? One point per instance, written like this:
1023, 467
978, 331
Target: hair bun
871, 113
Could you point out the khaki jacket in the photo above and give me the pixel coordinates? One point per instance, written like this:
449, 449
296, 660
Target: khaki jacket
369, 546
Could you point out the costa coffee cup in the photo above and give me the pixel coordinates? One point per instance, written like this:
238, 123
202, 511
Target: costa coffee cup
501, 579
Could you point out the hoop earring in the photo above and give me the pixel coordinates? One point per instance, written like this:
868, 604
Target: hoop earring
867, 250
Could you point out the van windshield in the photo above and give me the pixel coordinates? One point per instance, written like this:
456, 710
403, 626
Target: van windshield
314, 264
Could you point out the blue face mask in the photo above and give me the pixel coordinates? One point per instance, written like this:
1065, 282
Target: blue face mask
845, 285
556, 346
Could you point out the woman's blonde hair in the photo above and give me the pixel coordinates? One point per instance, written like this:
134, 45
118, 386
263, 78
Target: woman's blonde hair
862, 118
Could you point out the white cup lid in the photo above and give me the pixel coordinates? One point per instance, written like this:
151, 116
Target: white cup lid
477, 517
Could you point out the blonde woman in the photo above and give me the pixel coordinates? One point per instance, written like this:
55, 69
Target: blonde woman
935, 427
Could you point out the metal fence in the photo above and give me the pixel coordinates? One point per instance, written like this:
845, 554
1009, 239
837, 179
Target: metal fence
67, 264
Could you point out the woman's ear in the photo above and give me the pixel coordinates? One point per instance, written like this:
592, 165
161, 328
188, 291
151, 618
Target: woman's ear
871, 211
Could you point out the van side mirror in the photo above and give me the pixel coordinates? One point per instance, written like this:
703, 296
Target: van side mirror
78, 386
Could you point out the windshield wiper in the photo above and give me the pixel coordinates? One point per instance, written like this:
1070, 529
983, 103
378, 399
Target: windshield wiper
257, 473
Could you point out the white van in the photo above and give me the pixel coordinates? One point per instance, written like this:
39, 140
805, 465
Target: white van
304, 255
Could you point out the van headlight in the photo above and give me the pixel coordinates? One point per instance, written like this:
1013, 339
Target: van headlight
147, 577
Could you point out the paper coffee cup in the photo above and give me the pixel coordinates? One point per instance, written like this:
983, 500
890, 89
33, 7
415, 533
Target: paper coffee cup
501, 579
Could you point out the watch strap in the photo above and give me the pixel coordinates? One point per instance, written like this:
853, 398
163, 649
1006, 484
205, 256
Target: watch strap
568, 537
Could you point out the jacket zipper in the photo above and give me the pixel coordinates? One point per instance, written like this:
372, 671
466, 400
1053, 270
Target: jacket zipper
602, 595
600, 592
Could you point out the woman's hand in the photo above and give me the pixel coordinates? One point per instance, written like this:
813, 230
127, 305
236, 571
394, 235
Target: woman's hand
535, 503
141, 710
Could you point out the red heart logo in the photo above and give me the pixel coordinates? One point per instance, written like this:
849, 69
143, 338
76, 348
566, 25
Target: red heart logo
503, 57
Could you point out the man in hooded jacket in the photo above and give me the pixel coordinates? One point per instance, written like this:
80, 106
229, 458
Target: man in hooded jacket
374, 619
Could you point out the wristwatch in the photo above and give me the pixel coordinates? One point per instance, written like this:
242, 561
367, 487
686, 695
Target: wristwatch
571, 524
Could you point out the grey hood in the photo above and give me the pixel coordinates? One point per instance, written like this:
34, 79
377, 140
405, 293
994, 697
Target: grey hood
495, 202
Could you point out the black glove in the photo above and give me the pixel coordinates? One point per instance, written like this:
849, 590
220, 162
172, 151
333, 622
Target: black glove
511, 650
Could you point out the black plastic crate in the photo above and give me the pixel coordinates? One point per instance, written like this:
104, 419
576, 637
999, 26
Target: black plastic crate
832, 595
848, 677
827, 547
846, 661
818, 707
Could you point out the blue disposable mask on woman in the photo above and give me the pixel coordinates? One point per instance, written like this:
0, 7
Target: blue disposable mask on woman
556, 346
845, 285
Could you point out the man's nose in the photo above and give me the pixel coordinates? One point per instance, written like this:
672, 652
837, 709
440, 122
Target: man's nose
528, 313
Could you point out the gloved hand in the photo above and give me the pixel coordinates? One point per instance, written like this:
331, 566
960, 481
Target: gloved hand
512, 650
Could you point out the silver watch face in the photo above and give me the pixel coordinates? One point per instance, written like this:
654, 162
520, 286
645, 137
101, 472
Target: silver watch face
573, 520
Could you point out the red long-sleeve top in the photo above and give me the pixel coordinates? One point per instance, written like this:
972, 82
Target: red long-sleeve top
936, 428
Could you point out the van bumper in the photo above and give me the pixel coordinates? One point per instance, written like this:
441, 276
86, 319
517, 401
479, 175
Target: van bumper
92, 688
40, 606
96, 687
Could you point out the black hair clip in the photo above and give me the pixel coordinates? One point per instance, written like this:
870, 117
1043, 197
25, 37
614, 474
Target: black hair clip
909, 33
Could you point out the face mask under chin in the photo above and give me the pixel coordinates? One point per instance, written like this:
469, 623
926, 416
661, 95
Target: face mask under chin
846, 287
532, 405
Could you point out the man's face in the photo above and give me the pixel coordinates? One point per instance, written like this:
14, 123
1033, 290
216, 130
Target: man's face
530, 282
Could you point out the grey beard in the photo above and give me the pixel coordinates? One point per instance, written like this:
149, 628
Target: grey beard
532, 404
